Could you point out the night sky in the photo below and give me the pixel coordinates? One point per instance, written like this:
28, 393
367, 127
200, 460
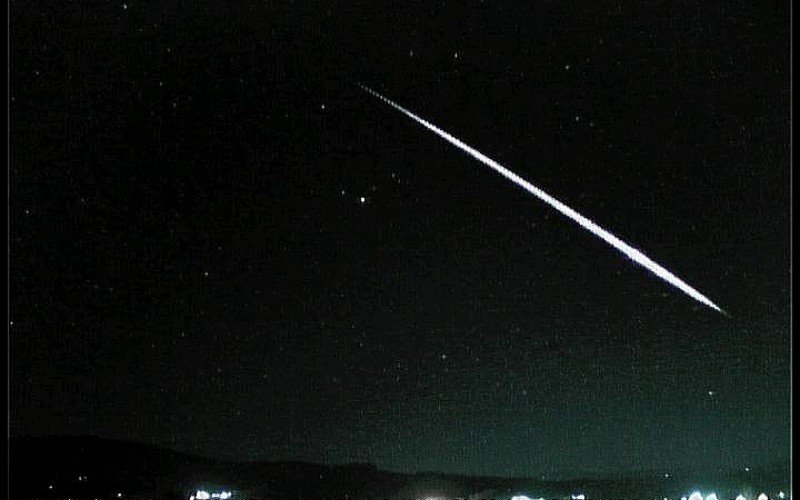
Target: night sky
222, 245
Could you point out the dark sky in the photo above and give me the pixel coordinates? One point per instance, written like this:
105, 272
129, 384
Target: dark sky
192, 264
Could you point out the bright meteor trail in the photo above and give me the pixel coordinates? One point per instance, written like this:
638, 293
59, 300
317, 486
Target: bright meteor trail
598, 231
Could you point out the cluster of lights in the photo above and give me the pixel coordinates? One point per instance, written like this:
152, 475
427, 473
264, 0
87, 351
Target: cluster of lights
713, 496
696, 495
204, 495
580, 496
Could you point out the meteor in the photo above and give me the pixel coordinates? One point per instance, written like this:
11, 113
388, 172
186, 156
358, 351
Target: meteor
632, 253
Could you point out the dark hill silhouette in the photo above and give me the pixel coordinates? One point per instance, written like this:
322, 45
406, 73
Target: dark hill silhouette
90, 467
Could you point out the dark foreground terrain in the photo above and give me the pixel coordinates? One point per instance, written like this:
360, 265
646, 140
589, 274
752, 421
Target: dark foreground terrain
88, 468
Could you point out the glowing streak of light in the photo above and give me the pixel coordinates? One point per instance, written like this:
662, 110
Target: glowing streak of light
632, 253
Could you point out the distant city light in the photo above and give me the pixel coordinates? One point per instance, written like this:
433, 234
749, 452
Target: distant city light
695, 495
